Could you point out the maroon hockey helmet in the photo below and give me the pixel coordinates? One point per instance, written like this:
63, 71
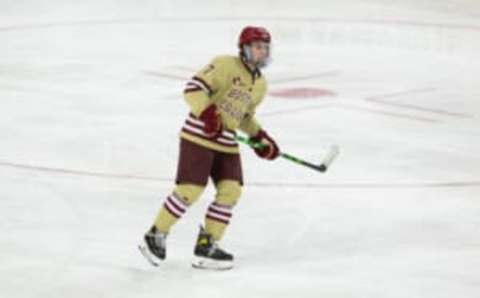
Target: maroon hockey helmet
251, 34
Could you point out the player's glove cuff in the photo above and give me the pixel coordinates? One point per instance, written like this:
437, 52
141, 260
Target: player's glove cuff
271, 150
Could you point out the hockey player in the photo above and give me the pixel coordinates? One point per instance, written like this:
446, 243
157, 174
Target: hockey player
222, 98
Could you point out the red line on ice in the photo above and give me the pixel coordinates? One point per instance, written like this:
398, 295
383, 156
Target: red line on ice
64, 171
379, 99
386, 113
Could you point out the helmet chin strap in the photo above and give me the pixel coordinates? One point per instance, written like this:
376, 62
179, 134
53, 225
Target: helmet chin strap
247, 52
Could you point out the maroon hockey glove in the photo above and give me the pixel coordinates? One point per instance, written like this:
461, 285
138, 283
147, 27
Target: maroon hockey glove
213, 122
269, 152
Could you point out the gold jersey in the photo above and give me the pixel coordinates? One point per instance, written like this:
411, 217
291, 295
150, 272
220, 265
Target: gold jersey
236, 91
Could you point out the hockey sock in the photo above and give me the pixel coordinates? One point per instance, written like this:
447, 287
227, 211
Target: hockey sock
176, 204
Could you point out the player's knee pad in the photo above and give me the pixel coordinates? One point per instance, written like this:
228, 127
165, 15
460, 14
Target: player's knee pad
228, 192
189, 192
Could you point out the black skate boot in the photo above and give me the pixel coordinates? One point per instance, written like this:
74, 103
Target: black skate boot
208, 255
154, 247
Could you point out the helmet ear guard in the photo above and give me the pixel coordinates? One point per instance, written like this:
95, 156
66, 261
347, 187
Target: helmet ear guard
246, 52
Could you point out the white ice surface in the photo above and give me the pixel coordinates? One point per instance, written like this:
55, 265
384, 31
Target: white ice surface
90, 109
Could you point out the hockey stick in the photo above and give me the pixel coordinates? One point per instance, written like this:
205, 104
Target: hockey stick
322, 167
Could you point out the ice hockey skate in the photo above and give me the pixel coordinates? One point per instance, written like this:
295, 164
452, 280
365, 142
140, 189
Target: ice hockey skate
208, 255
153, 247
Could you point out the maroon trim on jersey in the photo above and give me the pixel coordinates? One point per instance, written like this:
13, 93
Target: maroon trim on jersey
210, 91
201, 127
193, 124
216, 141
222, 139
198, 119
192, 89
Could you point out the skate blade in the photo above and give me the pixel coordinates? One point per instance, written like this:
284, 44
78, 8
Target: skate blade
152, 259
209, 264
